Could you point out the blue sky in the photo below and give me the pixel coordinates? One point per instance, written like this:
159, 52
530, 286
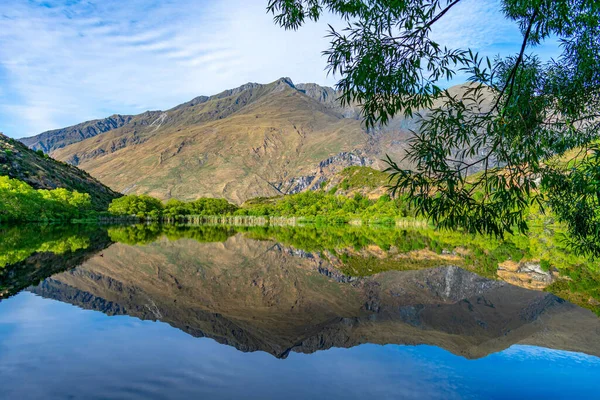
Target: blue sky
66, 61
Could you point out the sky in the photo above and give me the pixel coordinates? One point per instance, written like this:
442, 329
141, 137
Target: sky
63, 62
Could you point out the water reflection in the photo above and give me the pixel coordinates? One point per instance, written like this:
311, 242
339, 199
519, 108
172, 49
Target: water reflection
31, 253
282, 290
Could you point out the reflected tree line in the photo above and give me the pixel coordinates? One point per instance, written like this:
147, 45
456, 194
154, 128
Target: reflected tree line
31, 253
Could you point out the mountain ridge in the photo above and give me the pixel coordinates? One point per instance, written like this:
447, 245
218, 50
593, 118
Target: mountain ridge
55, 139
257, 140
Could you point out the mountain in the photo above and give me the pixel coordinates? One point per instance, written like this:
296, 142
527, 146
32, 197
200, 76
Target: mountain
255, 140
42, 172
264, 296
59, 138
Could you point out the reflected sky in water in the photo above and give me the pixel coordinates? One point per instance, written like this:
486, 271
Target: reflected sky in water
54, 350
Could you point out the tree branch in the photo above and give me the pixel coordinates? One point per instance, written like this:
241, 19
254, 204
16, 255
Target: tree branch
441, 14
513, 73
427, 25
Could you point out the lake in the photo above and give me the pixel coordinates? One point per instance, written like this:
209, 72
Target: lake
168, 312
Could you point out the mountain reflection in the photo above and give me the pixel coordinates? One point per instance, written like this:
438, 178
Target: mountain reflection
291, 289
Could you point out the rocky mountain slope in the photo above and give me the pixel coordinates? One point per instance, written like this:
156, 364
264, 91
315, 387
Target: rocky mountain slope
42, 172
255, 140
260, 295
59, 138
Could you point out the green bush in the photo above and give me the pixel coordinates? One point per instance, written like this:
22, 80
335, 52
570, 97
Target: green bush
201, 207
136, 205
144, 206
329, 207
545, 265
21, 202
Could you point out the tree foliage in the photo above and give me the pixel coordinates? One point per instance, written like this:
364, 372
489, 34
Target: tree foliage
21, 202
136, 205
144, 206
329, 207
517, 123
202, 207
576, 198
308, 205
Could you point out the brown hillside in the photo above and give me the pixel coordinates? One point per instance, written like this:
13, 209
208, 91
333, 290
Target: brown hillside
256, 140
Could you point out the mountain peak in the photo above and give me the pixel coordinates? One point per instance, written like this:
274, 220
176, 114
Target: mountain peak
285, 81
282, 84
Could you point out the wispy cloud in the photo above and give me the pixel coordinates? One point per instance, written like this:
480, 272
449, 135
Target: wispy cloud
65, 61
476, 24
62, 62
482, 27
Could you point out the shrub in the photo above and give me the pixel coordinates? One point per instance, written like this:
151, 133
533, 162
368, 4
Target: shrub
21, 202
144, 206
139, 205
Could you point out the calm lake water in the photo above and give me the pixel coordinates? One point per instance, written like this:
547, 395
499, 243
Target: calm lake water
171, 312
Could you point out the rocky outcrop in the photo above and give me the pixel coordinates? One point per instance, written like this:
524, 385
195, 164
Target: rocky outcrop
322, 94
324, 171
58, 138
528, 274
330, 98
343, 160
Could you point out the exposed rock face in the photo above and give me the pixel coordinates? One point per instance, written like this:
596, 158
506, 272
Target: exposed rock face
325, 170
345, 159
260, 295
300, 184
529, 275
325, 95
58, 138
329, 97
